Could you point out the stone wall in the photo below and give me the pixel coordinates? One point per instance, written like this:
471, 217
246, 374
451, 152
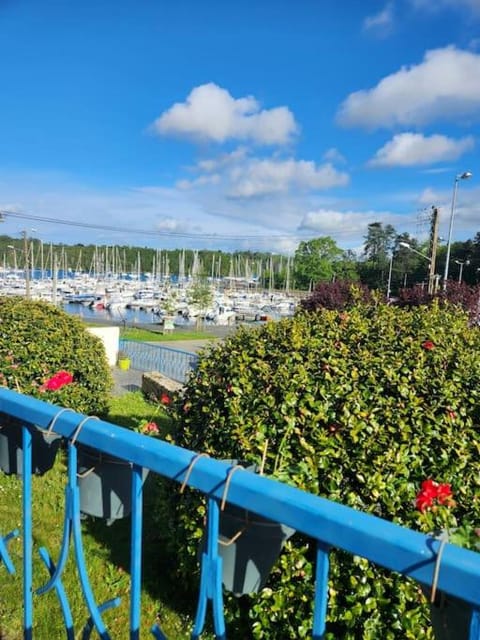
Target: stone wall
154, 384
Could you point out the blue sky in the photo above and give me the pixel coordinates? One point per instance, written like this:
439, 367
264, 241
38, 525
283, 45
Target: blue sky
237, 125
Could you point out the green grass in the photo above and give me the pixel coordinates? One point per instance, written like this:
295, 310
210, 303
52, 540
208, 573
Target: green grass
144, 335
106, 548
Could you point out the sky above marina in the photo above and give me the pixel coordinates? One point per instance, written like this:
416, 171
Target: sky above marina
237, 125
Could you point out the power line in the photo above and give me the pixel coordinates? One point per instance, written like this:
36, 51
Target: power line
173, 234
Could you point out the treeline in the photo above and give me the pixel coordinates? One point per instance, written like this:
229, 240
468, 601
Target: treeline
387, 258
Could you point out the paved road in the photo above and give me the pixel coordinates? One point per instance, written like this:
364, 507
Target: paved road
131, 380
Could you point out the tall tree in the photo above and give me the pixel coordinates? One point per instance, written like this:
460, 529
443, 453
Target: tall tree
379, 243
315, 261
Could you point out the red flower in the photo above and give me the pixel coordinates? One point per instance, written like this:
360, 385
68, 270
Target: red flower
151, 427
165, 398
451, 414
444, 494
57, 381
433, 493
428, 345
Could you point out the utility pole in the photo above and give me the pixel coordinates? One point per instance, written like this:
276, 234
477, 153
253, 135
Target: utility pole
432, 281
27, 264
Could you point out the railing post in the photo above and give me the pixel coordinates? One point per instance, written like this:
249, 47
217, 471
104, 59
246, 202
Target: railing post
27, 532
321, 592
136, 552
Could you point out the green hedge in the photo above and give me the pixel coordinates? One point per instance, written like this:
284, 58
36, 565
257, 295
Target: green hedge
37, 340
358, 407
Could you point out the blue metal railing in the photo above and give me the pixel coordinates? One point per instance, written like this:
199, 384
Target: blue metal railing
173, 363
328, 523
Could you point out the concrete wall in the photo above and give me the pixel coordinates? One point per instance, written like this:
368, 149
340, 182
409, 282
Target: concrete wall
110, 337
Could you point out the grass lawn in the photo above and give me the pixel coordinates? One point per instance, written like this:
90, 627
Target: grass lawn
144, 335
107, 550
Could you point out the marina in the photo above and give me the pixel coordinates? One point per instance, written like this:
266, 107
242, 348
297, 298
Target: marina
141, 299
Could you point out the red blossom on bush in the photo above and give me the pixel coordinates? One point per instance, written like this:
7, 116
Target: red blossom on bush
57, 381
432, 494
451, 414
150, 428
428, 345
165, 398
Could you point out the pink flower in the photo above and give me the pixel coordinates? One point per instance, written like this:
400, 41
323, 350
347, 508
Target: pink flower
57, 381
151, 428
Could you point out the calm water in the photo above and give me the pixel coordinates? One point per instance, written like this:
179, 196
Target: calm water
117, 316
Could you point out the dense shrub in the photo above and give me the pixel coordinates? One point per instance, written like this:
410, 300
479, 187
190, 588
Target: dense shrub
37, 340
338, 295
462, 295
358, 407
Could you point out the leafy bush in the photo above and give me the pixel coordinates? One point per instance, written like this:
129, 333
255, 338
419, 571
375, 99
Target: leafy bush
38, 340
462, 295
358, 407
339, 295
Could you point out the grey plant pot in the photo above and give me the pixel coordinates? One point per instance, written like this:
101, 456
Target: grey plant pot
249, 558
451, 618
249, 545
105, 484
44, 448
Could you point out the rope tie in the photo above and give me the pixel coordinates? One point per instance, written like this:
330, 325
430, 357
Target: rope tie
436, 572
55, 418
193, 462
227, 484
80, 425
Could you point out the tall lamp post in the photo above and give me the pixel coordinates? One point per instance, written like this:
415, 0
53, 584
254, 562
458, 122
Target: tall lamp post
405, 245
461, 176
461, 263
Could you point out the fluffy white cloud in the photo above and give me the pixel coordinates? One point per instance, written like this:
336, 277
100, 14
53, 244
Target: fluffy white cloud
438, 5
444, 86
334, 155
411, 149
210, 113
381, 23
261, 177
344, 224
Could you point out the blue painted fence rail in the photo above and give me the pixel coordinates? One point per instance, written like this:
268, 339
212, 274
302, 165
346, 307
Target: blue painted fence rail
173, 363
330, 524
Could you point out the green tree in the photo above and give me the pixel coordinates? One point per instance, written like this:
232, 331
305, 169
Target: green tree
315, 261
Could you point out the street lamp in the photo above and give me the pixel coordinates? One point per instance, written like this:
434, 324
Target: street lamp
407, 246
431, 277
461, 176
466, 262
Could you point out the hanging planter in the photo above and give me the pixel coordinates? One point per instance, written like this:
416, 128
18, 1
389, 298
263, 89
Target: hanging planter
105, 484
45, 446
248, 544
451, 618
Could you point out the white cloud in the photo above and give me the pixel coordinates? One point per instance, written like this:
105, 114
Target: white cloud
411, 149
210, 113
380, 23
334, 155
201, 181
344, 224
433, 6
444, 86
261, 177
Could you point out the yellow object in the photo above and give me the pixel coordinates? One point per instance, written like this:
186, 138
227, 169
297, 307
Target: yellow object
124, 364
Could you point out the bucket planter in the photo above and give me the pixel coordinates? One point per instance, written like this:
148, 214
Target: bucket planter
44, 447
249, 546
124, 363
105, 484
451, 618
